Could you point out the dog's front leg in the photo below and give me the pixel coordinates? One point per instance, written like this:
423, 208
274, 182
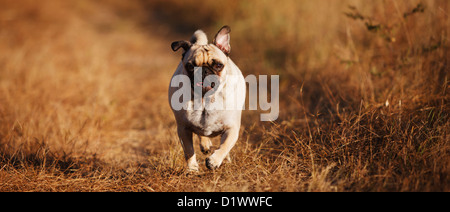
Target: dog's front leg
185, 136
227, 142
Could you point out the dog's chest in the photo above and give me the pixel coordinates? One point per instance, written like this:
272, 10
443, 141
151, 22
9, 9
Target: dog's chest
207, 122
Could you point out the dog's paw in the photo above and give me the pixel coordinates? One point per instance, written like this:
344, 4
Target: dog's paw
205, 145
193, 168
212, 163
192, 165
205, 150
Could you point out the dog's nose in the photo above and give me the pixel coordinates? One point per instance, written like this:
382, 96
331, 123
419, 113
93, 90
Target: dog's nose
207, 71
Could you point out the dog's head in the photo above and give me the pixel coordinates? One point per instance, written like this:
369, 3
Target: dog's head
206, 64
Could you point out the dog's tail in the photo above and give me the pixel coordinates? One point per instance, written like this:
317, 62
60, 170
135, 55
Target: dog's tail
199, 38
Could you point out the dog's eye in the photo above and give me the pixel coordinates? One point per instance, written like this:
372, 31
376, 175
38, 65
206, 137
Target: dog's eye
189, 67
218, 66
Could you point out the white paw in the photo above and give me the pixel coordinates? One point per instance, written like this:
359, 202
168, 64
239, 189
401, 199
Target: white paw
205, 147
192, 164
192, 168
212, 163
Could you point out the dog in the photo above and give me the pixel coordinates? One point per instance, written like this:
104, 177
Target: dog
227, 86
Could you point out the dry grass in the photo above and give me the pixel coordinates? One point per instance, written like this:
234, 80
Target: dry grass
364, 101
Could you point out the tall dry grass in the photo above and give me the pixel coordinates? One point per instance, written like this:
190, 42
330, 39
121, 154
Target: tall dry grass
363, 95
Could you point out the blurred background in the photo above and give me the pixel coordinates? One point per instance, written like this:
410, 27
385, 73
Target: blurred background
83, 86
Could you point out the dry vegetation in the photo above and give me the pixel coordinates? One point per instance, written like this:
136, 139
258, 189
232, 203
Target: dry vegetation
364, 99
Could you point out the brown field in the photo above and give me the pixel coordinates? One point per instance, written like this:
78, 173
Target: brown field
364, 95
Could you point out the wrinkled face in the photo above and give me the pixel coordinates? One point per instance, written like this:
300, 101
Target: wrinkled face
205, 65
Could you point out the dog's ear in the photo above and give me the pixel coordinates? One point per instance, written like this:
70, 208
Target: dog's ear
222, 39
186, 45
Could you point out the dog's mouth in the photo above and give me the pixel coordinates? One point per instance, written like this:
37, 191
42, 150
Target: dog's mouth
204, 80
205, 88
